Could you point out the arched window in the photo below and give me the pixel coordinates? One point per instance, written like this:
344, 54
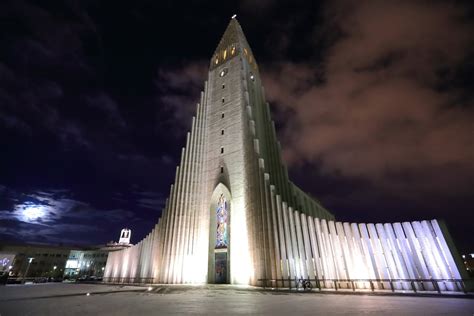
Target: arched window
222, 240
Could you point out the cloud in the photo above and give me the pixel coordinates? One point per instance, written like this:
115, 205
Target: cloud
47, 78
150, 200
378, 106
50, 215
179, 89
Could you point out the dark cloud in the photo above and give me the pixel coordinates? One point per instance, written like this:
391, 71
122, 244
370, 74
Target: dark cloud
179, 90
378, 114
55, 216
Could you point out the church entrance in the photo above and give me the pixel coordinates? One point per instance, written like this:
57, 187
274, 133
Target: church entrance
221, 267
219, 233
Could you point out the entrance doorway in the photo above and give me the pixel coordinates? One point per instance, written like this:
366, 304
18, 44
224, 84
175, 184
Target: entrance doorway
221, 267
219, 236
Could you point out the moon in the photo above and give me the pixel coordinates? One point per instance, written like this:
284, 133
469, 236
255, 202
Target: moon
32, 213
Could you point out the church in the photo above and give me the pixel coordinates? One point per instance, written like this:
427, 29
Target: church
233, 216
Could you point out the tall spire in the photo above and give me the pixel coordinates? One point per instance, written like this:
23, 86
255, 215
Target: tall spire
232, 35
232, 42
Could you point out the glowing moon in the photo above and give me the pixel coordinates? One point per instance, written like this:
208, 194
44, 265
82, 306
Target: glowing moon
32, 213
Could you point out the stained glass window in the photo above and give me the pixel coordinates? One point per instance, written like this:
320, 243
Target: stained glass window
221, 229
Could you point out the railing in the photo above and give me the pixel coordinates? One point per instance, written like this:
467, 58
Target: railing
393, 285
131, 281
415, 285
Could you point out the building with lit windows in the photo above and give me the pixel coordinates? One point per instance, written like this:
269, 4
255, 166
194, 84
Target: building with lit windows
53, 262
89, 263
34, 260
233, 215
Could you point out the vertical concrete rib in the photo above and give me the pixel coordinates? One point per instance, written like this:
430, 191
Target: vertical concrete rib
387, 253
431, 265
189, 205
181, 212
294, 243
282, 238
289, 247
174, 224
416, 254
378, 254
269, 227
307, 247
276, 243
397, 255
315, 247
454, 273
301, 248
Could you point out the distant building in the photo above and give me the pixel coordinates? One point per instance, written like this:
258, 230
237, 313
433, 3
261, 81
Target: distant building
33, 260
86, 263
125, 235
91, 262
469, 263
52, 261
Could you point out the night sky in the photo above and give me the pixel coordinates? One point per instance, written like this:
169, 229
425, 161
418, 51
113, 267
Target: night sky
373, 102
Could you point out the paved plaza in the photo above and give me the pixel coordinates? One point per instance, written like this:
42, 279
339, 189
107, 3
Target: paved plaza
72, 299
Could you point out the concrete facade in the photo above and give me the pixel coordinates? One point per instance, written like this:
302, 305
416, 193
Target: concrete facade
275, 230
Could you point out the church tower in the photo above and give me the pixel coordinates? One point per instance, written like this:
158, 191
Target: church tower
233, 215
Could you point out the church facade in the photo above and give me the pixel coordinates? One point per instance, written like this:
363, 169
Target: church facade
234, 216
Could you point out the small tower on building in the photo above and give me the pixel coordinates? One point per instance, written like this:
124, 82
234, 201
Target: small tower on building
125, 236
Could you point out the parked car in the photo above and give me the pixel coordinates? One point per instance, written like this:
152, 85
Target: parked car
40, 280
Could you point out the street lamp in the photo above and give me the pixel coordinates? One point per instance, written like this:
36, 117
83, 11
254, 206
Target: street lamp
30, 260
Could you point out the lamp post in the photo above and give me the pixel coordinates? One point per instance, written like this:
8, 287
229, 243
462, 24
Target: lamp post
30, 259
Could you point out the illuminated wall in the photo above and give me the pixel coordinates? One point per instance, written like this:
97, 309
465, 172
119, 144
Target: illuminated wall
275, 230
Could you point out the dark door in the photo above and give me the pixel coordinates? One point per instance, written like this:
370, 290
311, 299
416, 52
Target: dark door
221, 267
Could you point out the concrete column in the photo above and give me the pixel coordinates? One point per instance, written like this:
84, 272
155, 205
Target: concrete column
430, 261
437, 254
369, 251
416, 254
301, 246
307, 247
282, 238
337, 251
180, 211
289, 247
397, 255
387, 253
329, 253
294, 243
406, 254
378, 254
366, 267
315, 248
453, 270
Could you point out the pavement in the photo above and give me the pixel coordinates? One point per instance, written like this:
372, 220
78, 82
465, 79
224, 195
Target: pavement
94, 299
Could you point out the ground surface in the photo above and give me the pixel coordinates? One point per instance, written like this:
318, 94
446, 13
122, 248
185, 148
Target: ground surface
71, 299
